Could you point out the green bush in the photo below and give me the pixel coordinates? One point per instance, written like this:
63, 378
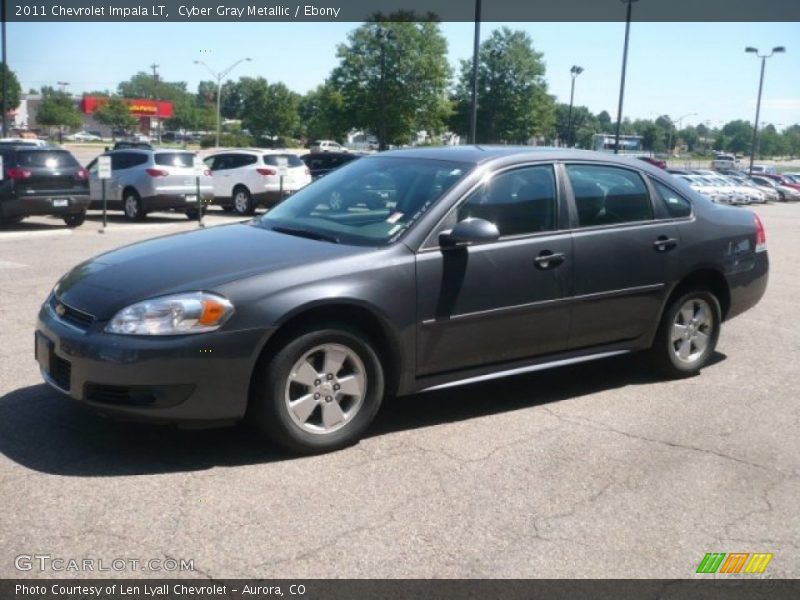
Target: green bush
227, 140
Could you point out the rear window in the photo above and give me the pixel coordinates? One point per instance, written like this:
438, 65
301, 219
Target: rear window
174, 159
293, 161
51, 159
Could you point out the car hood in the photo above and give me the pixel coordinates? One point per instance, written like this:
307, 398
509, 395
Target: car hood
198, 260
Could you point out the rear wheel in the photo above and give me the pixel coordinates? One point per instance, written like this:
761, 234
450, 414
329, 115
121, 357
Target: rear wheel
192, 213
688, 334
320, 391
132, 206
243, 202
75, 220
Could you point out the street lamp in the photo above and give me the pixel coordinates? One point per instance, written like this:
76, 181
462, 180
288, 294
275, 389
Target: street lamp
574, 72
624, 67
219, 77
763, 57
679, 120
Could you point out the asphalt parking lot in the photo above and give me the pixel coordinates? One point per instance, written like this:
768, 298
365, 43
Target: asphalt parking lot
594, 470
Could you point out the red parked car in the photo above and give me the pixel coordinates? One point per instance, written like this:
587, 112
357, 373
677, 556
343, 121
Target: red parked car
662, 164
783, 180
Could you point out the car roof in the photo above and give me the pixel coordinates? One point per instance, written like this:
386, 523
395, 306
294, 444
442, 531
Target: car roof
482, 154
259, 151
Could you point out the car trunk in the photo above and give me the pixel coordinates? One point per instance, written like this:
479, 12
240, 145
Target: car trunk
49, 171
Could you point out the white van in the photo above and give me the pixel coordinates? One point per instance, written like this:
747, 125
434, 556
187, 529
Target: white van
723, 161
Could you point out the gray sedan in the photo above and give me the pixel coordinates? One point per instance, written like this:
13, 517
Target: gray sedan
402, 272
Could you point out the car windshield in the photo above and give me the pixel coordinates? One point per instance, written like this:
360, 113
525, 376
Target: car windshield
369, 202
174, 159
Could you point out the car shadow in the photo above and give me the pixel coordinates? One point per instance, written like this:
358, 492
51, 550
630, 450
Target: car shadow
117, 217
43, 431
31, 226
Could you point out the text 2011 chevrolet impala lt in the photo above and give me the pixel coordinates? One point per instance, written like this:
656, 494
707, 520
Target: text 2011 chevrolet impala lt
401, 272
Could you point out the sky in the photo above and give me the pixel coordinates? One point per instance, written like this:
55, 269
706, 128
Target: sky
675, 69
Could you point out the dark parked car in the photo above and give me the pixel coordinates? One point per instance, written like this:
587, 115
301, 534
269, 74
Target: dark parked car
42, 181
322, 163
479, 263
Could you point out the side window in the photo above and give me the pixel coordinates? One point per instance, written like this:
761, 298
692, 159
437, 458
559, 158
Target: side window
606, 195
120, 160
518, 202
208, 161
222, 162
138, 159
677, 206
242, 160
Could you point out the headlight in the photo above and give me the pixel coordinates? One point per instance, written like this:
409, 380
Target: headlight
194, 312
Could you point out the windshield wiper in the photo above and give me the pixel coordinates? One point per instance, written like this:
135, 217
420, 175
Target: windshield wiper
307, 233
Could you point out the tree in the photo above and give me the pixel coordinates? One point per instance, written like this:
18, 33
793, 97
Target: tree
270, 110
13, 88
584, 125
738, 135
393, 76
513, 102
116, 114
143, 85
322, 114
604, 122
57, 110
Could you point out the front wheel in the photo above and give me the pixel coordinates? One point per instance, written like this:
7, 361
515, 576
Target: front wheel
319, 392
688, 334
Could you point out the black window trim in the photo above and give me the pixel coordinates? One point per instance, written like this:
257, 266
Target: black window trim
431, 241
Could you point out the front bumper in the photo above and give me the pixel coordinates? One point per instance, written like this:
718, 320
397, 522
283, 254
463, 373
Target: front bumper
44, 204
189, 378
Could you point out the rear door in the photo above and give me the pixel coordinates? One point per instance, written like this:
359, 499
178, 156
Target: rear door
624, 254
298, 174
181, 176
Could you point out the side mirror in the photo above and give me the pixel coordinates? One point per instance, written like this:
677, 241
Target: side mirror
469, 231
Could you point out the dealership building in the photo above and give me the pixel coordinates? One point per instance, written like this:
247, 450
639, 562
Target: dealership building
147, 112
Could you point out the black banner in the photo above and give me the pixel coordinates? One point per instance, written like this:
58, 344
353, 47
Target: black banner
362, 10
361, 589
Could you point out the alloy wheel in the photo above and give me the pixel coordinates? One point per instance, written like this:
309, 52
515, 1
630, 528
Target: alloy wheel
692, 330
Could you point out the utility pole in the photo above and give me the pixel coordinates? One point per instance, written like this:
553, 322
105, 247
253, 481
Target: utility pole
574, 72
5, 70
473, 118
624, 68
154, 66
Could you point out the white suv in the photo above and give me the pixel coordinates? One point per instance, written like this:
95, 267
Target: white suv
246, 178
326, 146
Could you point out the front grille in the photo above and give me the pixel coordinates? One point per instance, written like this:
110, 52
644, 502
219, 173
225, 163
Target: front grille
70, 315
117, 394
60, 371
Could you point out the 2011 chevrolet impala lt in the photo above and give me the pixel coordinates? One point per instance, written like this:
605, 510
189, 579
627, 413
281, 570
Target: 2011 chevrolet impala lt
403, 271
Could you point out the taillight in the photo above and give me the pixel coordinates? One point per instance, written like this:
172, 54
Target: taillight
262, 171
17, 174
207, 172
761, 235
82, 174
156, 172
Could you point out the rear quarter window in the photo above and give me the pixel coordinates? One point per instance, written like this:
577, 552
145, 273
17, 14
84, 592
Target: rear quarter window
677, 206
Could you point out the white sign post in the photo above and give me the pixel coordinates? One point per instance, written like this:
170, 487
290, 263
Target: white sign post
199, 169
283, 171
103, 173
2, 170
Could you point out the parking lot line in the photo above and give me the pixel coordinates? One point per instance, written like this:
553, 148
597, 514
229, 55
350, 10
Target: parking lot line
15, 235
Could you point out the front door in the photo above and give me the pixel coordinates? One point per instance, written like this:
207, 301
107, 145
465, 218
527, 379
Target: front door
503, 300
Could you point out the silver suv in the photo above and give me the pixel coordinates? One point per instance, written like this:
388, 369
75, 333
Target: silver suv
150, 180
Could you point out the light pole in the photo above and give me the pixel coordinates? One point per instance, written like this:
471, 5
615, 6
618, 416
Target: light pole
763, 57
679, 120
219, 77
473, 121
383, 35
624, 67
574, 72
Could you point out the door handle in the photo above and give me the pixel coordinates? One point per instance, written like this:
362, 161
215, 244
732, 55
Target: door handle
664, 243
548, 259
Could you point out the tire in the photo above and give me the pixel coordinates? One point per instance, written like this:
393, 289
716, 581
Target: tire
132, 206
243, 202
329, 419
191, 213
10, 221
75, 220
690, 351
